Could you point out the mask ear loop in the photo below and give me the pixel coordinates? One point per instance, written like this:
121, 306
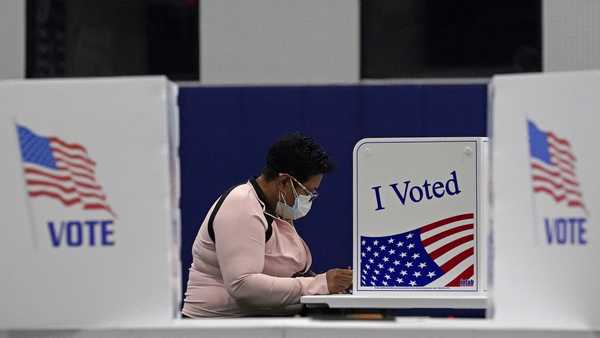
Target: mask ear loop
310, 193
292, 180
293, 188
282, 200
264, 209
289, 221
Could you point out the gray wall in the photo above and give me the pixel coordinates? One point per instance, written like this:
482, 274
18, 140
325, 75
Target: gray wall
12, 39
279, 41
571, 32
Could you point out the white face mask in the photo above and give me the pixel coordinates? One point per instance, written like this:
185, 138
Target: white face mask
301, 207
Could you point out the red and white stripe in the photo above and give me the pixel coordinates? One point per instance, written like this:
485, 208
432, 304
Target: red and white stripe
450, 243
559, 180
73, 183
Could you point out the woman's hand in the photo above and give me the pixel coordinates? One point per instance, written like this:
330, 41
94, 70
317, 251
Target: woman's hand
338, 280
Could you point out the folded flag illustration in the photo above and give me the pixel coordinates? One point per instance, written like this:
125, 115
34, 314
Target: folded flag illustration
440, 254
56, 169
553, 170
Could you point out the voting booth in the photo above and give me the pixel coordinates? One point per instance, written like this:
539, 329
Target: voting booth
544, 136
420, 225
90, 191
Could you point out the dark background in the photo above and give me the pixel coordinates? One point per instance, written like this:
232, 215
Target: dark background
430, 38
78, 38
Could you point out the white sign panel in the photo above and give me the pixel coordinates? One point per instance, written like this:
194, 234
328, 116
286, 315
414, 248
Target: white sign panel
90, 225
545, 156
418, 215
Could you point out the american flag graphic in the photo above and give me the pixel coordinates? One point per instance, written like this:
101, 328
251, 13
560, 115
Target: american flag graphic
59, 170
440, 254
553, 167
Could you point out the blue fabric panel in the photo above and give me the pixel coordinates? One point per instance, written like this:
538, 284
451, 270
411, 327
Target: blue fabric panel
391, 111
209, 123
266, 114
454, 110
330, 115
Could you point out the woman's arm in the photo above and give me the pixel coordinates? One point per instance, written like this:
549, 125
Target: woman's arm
240, 247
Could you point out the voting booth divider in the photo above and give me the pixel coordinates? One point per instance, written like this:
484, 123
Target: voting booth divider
422, 202
545, 197
420, 215
90, 191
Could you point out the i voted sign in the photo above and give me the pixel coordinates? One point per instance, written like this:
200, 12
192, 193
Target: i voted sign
416, 214
415, 193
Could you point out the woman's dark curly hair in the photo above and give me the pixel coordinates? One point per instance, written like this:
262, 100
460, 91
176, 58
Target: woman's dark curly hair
297, 155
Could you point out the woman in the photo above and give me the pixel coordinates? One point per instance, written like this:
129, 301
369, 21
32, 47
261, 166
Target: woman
248, 258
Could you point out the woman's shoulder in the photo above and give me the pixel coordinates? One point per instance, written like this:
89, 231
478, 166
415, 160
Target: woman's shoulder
243, 198
242, 193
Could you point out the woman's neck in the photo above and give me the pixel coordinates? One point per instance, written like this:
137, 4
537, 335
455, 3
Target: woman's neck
270, 190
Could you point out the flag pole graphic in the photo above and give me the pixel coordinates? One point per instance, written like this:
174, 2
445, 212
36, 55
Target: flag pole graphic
536, 232
30, 213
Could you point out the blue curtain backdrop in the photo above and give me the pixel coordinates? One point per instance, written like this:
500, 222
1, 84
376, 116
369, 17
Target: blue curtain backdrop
226, 132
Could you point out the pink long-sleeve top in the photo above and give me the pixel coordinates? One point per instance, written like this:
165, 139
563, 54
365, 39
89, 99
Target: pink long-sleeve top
242, 275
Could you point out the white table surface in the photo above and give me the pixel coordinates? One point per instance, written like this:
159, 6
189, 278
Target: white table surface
306, 327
